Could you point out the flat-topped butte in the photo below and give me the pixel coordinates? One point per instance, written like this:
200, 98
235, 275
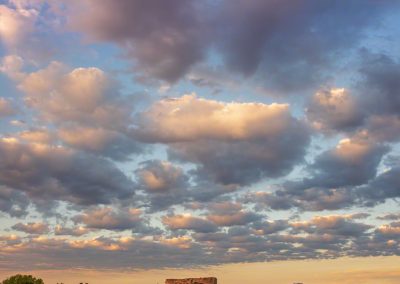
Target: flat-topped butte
202, 280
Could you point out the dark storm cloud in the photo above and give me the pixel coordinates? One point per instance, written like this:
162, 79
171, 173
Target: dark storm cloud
46, 172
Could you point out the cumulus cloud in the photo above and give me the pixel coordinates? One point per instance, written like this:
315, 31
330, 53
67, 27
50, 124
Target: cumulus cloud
336, 179
231, 142
160, 177
187, 222
334, 109
48, 172
15, 24
383, 187
353, 161
85, 103
164, 39
6, 108
12, 65
334, 225
109, 219
84, 95
60, 230
13, 202
165, 184
231, 214
32, 228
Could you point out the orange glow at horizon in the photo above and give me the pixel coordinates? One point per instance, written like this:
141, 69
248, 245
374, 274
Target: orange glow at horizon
368, 270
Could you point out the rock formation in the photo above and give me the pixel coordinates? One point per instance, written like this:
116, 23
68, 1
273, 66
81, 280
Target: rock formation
204, 280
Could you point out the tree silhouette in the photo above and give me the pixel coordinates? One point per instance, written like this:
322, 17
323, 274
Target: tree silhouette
22, 279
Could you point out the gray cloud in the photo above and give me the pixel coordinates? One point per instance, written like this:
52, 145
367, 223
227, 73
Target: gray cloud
166, 39
47, 172
231, 143
13, 202
32, 228
334, 109
379, 83
163, 38
383, 187
109, 219
186, 222
352, 162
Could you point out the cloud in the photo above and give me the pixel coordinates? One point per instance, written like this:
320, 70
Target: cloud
60, 230
6, 108
269, 227
231, 142
11, 65
383, 187
160, 177
46, 172
338, 178
320, 237
97, 140
290, 55
353, 161
31, 228
379, 83
391, 216
384, 128
58, 94
333, 225
164, 39
13, 202
84, 103
238, 218
109, 219
230, 214
187, 222
165, 184
16, 24
334, 109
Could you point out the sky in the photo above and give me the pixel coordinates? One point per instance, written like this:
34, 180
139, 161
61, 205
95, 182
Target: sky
253, 140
